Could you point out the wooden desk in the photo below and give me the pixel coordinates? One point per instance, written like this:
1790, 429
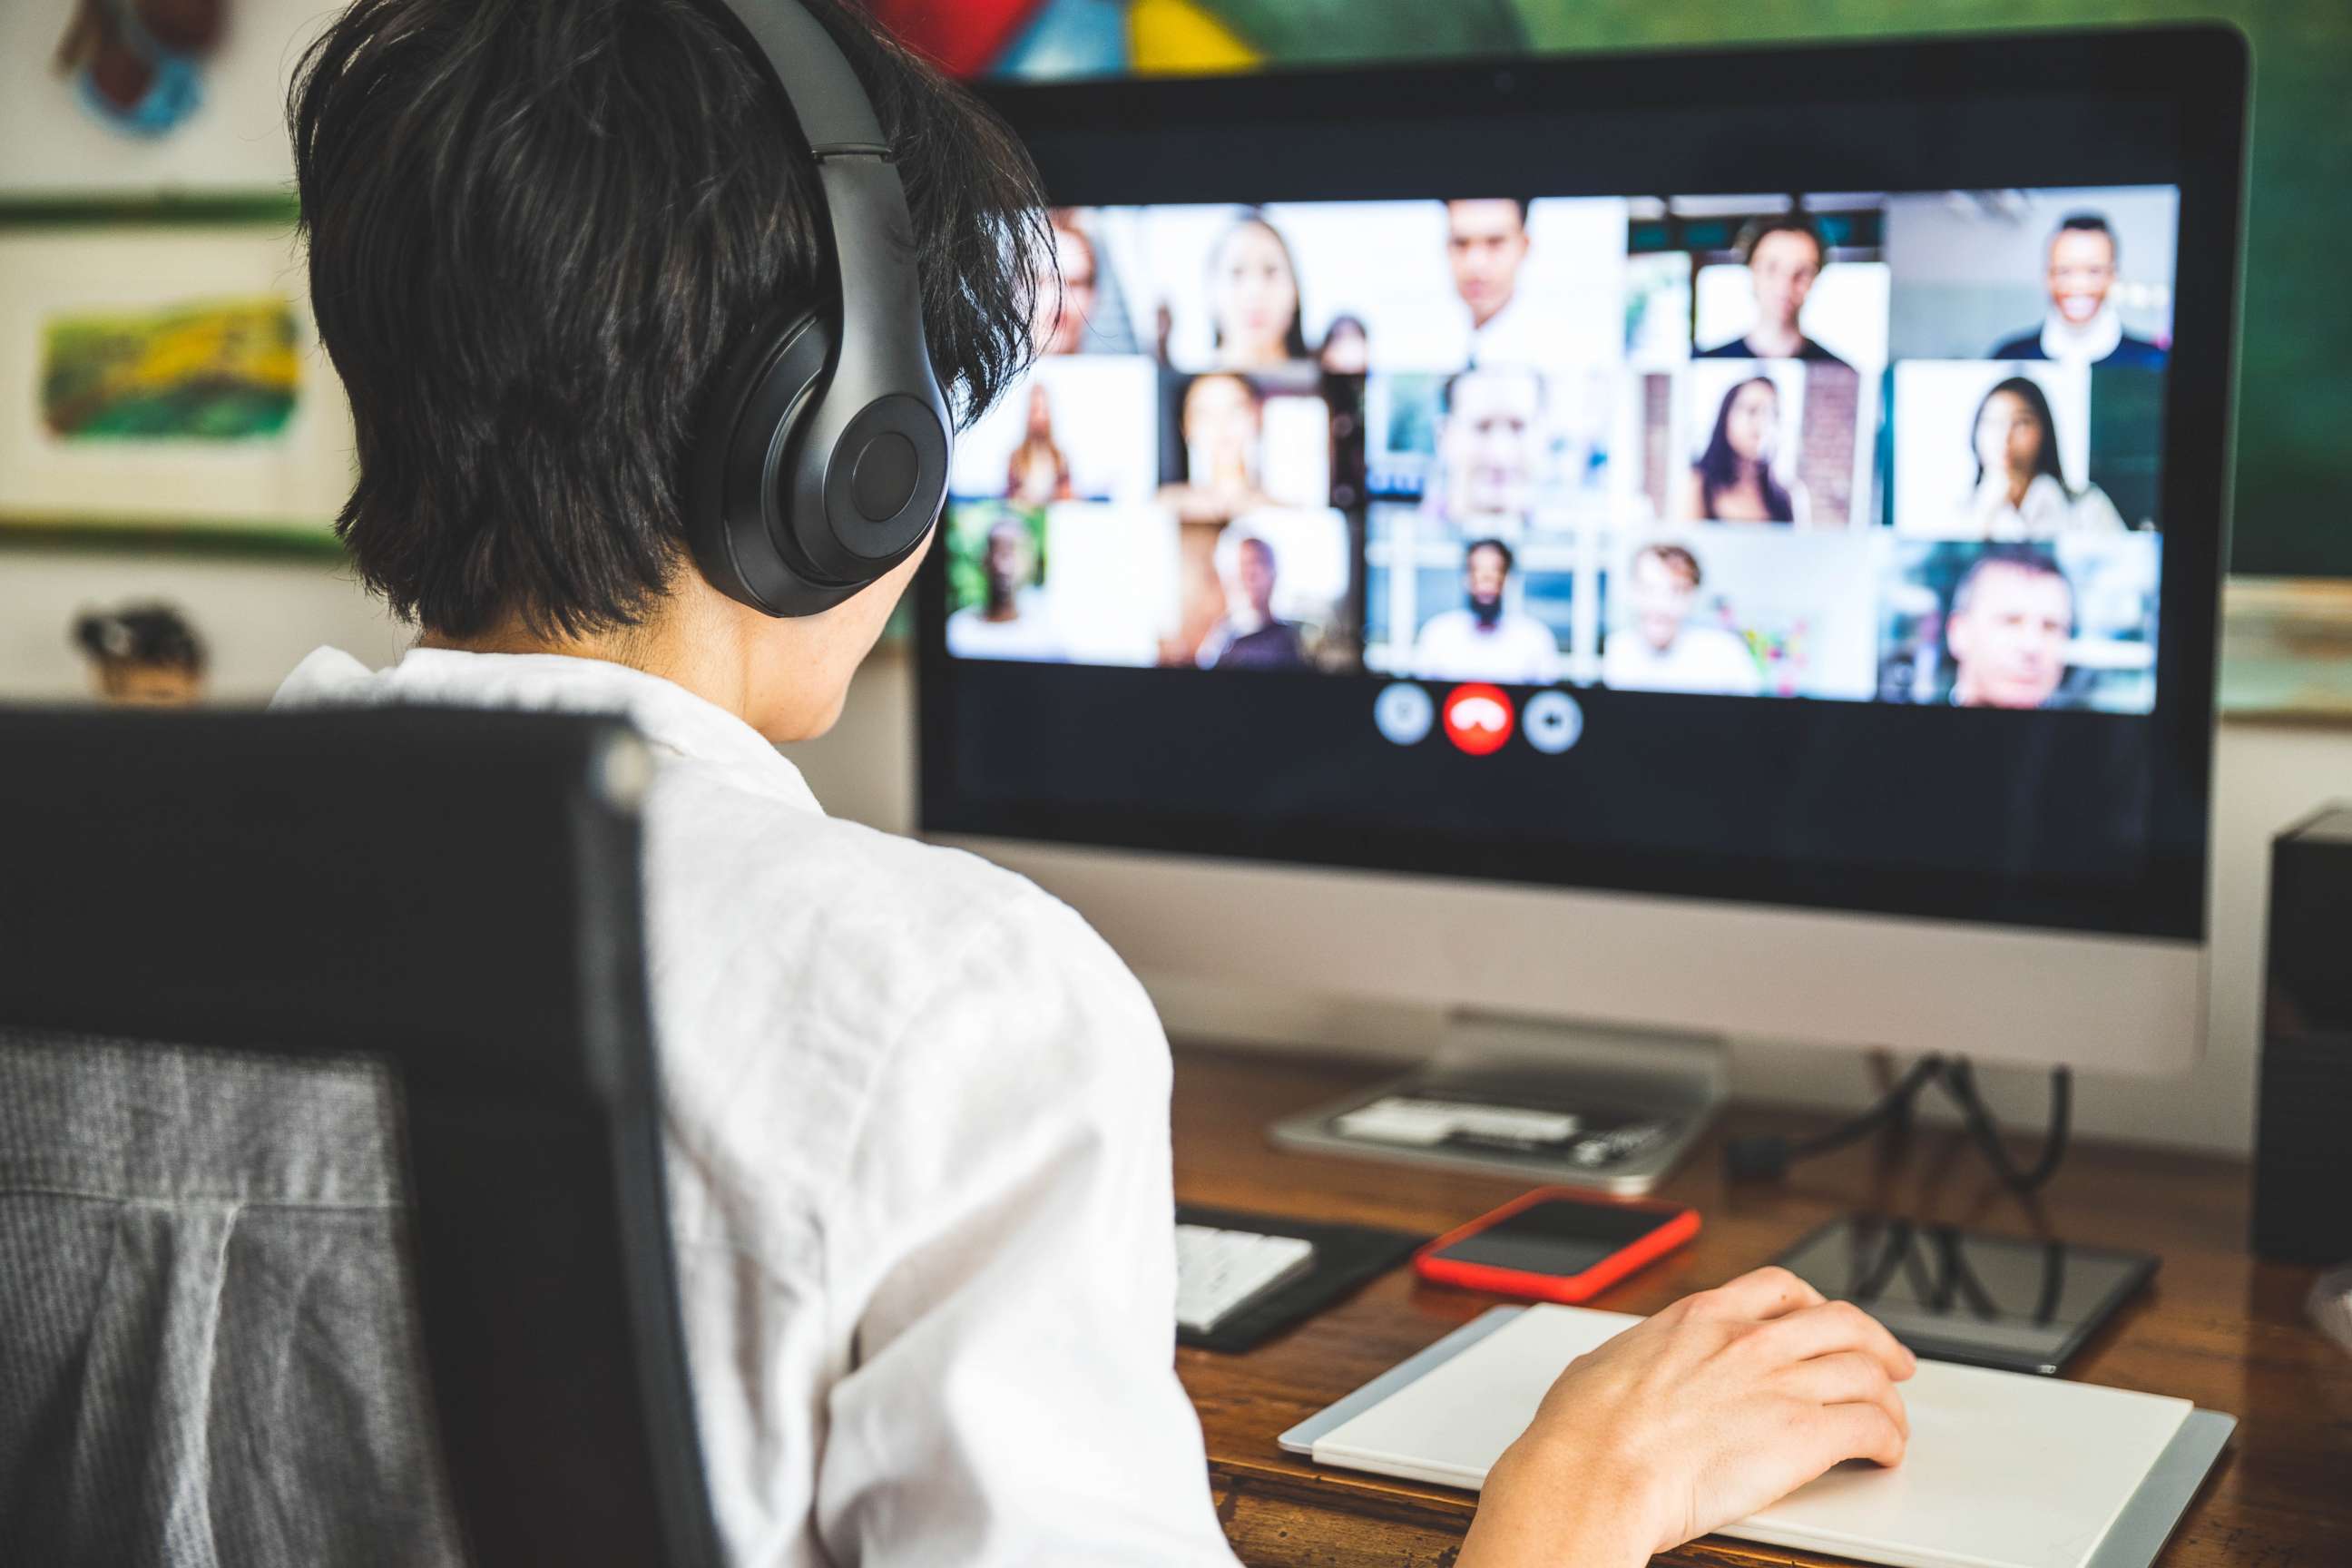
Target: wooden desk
2217, 1327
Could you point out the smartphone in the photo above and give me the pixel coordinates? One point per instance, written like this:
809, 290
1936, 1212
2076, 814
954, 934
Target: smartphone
1556, 1243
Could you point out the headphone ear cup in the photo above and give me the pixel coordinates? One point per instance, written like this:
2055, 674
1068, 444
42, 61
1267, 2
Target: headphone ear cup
759, 400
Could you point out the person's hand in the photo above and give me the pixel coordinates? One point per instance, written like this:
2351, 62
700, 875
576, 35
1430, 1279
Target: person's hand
1720, 1406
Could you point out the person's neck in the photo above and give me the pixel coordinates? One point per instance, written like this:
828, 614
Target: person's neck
1245, 354
2018, 485
1478, 319
1783, 341
2089, 326
690, 646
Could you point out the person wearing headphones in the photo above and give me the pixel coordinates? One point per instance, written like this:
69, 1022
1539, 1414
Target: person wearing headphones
576, 260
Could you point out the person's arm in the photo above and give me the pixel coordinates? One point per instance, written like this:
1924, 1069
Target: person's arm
1688, 504
1717, 1407
1979, 514
1004, 1246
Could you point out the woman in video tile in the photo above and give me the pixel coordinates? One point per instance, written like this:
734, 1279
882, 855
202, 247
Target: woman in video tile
1039, 471
1733, 481
1254, 298
2020, 490
1077, 308
1222, 423
1346, 348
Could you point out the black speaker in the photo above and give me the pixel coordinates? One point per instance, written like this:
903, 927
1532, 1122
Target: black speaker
2303, 1135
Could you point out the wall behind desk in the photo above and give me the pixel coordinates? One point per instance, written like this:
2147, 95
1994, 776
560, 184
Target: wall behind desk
257, 616
2266, 776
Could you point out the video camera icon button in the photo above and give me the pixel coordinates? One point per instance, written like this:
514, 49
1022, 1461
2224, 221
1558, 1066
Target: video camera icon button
1479, 718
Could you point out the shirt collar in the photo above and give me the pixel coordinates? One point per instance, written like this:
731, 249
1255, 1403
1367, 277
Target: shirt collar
674, 720
2094, 341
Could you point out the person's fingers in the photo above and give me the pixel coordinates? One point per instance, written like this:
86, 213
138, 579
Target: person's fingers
1818, 1438
1764, 1293
1829, 1328
1861, 1431
1847, 1377
1890, 1399
1750, 1471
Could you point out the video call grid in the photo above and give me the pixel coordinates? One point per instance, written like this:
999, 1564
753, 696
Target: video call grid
1815, 447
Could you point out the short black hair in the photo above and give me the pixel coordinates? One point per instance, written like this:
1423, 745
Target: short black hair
2088, 223
1497, 545
148, 635
1518, 202
537, 228
1756, 231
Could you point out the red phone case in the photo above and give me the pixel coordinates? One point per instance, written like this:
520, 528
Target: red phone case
1680, 1225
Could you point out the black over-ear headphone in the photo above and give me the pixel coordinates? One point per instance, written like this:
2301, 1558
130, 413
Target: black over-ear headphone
821, 460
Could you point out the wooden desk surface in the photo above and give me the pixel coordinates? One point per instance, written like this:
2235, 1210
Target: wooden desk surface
2217, 1327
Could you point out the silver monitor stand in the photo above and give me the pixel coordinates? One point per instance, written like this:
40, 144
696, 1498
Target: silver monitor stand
1610, 1109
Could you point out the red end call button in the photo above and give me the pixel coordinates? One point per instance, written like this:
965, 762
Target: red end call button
1478, 717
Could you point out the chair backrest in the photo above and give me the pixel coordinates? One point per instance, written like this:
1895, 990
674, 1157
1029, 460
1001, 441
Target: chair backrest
213, 914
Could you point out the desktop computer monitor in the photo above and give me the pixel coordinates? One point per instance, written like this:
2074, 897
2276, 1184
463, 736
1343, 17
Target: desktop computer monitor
1724, 543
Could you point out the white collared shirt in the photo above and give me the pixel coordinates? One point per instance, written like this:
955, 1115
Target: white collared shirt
1516, 650
917, 1118
2089, 343
1520, 335
2047, 511
1700, 662
1029, 634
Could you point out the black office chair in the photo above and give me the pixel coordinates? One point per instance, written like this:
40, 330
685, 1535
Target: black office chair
204, 921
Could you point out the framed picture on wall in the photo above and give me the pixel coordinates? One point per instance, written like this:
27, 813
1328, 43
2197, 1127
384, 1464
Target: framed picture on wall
161, 379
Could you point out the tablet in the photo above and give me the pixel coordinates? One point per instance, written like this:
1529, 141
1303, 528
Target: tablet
2011, 1302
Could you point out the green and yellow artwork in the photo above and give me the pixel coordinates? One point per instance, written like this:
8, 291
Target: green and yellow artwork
161, 381
197, 371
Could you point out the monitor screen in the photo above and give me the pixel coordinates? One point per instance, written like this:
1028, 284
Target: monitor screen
1770, 538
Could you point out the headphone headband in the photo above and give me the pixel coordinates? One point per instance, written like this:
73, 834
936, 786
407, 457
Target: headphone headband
829, 105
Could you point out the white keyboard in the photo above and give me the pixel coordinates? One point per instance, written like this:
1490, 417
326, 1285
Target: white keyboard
1219, 1272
